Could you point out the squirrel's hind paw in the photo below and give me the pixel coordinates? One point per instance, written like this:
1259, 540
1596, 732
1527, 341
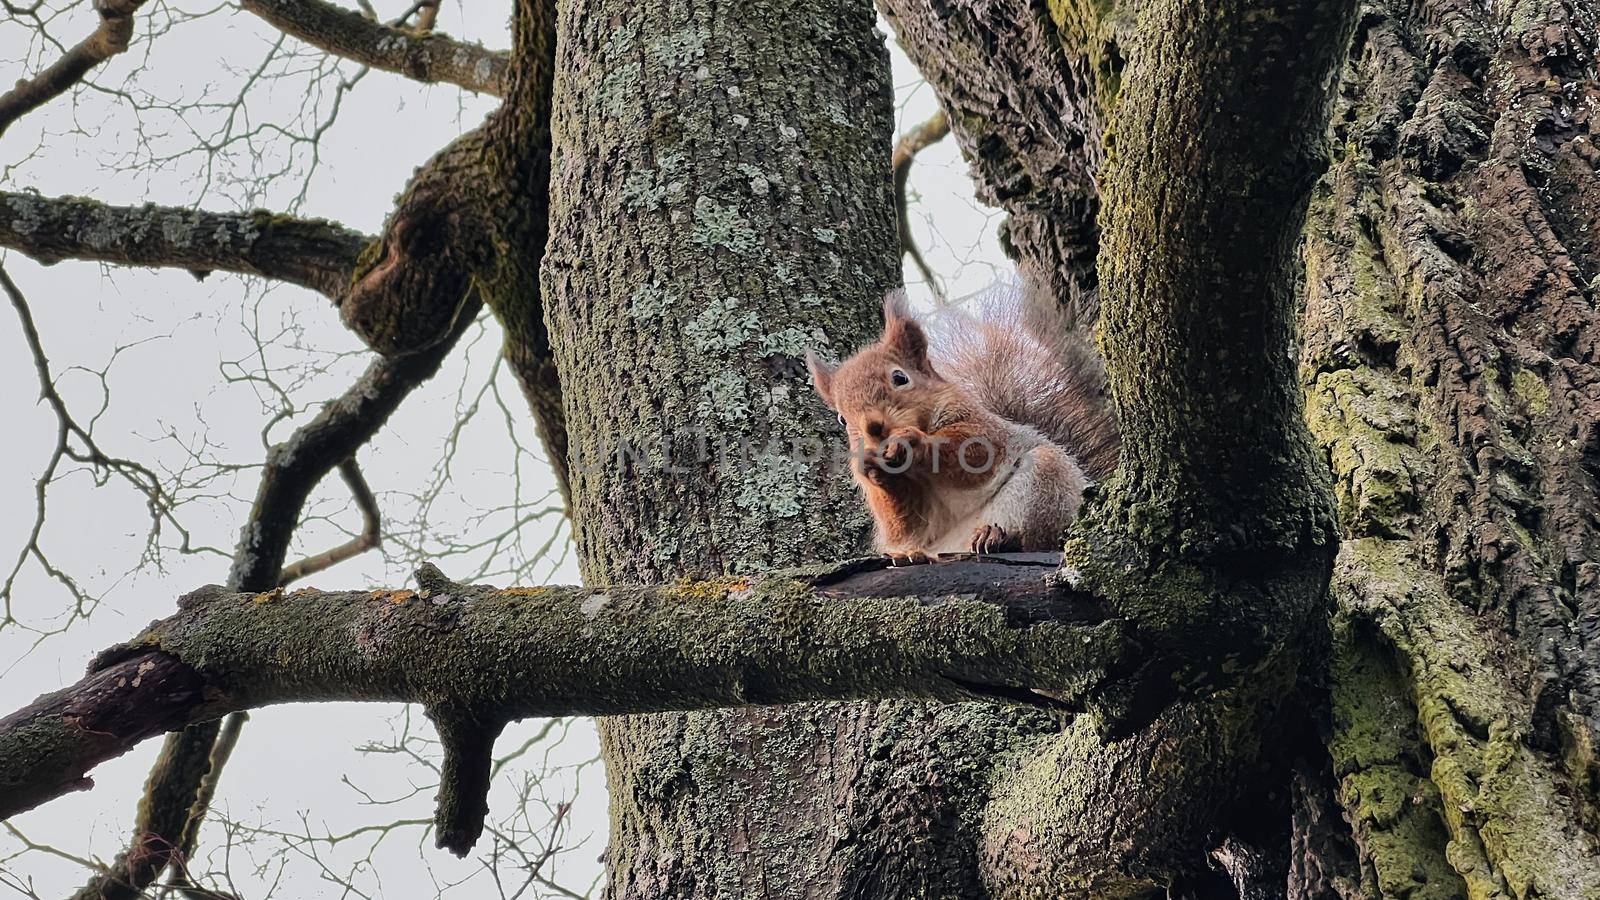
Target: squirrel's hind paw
914, 558
994, 539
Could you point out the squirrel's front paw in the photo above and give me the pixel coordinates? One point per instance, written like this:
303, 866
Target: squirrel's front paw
888, 463
901, 449
874, 470
993, 539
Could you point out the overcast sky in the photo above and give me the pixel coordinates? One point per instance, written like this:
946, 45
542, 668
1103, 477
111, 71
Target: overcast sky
197, 370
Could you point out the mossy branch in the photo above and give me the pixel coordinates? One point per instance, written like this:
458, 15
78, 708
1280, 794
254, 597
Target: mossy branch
1215, 143
1005, 629
478, 657
312, 253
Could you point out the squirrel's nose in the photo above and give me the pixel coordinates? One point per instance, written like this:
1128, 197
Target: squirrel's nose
875, 430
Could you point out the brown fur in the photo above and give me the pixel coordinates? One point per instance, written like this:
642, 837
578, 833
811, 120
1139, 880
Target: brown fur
974, 450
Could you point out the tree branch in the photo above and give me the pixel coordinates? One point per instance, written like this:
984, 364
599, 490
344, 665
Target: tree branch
520, 167
371, 530
178, 790
109, 39
980, 629
312, 253
294, 467
1204, 200
905, 152
221, 751
418, 54
185, 761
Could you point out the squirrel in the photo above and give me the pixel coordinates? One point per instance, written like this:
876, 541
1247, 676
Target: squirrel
972, 432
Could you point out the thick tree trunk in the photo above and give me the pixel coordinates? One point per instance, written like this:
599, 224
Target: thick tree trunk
720, 203
1450, 368
1452, 343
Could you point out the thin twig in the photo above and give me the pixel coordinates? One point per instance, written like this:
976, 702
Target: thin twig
371, 530
905, 152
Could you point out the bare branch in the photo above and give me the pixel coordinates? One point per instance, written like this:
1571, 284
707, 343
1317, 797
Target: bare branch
75, 444
109, 39
221, 751
905, 152
104, 716
295, 467
183, 763
417, 54
176, 796
311, 253
370, 536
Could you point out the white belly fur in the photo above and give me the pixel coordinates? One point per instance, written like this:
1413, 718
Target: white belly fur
963, 512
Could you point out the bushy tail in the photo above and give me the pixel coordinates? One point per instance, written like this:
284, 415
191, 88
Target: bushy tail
1020, 357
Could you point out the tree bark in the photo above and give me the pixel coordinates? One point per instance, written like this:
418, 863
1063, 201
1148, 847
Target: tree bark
312, 253
1450, 366
986, 628
425, 57
1028, 87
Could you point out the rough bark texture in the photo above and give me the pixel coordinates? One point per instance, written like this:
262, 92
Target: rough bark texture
659, 338
421, 56
720, 203
1218, 505
98, 719
518, 190
1450, 370
1452, 343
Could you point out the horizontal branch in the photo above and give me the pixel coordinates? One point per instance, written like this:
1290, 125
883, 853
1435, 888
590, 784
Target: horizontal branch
110, 37
431, 58
976, 630
312, 253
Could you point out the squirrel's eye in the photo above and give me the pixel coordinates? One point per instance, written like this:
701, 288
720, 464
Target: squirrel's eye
899, 378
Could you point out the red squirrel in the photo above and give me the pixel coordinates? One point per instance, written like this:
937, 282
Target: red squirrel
972, 432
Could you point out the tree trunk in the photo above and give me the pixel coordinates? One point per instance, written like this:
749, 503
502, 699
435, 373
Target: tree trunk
1451, 343
1449, 362
715, 211
721, 203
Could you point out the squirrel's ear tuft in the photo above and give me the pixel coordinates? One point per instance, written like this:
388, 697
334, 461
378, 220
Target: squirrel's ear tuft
821, 375
901, 333
896, 305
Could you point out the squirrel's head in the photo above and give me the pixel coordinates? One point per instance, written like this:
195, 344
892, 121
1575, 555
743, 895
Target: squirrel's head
886, 386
